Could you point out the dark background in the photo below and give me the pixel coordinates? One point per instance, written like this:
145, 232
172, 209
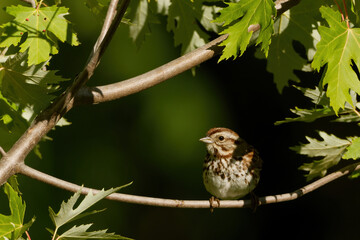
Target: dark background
152, 139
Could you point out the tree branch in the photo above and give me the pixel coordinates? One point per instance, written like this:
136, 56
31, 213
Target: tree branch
160, 202
93, 95
47, 119
90, 95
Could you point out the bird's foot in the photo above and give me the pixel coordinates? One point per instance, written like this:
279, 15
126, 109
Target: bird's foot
254, 201
212, 200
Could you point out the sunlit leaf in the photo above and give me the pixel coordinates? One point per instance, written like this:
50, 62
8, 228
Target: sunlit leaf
238, 17
183, 21
353, 151
12, 226
29, 86
297, 24
67, 211
337, 49
330, 150
40, 29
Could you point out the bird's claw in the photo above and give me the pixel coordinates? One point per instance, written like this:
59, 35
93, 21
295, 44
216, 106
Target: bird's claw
211, 201
254, 201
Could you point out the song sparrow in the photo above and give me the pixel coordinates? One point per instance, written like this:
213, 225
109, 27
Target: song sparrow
232, 167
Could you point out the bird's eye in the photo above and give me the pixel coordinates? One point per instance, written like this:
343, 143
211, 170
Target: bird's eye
221, 138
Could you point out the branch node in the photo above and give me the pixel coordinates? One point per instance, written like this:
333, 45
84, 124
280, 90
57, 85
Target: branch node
2, 152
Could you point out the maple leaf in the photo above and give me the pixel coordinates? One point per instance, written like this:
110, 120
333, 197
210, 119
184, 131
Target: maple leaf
322, 108
337, 49
239, 16
296, 24
183, 18
80, 232
68, 213
12, 226
331, 148
141, 18
39, 29
307, 115
12, 124
24, 92
98, 7
353, 151
29, 86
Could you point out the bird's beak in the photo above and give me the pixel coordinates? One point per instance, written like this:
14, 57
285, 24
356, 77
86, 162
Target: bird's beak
206, 140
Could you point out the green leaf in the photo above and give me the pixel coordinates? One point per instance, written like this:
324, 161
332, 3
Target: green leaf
29, 86
330, 149
183, 21
322, 109
347, 118
24, 92
12, 124
14, 184
38, 30
307, 115
67, 213
140, 24
355, 8
316, 95
80, 232
98, 7
353, 151
238, 17
355, 174
162, 6
297, 24
12, 226
337, 48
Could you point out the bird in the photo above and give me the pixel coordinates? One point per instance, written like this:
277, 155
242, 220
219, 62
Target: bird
231, 169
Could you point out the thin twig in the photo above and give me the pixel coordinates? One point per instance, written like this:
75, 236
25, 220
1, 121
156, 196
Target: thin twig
281, 6
92, 95
111, 13
356, 111
161, 202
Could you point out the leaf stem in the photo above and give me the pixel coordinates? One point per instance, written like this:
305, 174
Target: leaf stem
342, 14
28, 235
38, 6
53, 238
357, 112
346, 14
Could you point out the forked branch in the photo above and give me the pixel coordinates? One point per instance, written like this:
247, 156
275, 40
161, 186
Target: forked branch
172, 203
47, 119
93, 95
